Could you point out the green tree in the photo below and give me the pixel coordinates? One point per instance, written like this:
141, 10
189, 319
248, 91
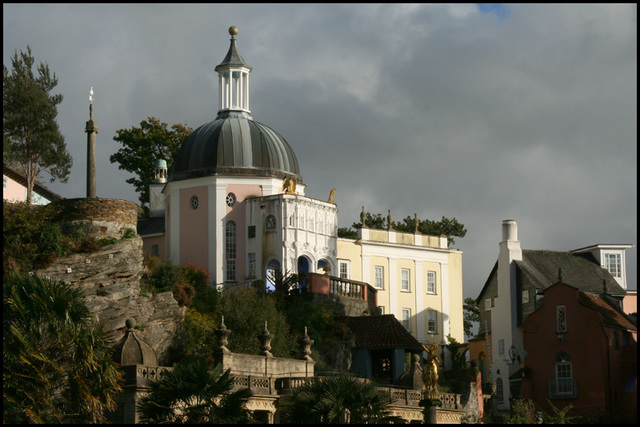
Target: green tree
193, 393
245, 310
524, 411
342, 399
471, 313
142, 146
31, 138
560, 416
446, 226
57, 365
200, 329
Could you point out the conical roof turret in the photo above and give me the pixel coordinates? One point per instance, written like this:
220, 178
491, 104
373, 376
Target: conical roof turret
233, 58
132, 350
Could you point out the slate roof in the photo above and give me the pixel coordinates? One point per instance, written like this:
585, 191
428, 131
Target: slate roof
382, 331
147, 226
611, 316
232, 57
580, 270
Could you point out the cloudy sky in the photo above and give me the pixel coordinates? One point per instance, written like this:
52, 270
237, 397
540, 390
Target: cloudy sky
478, 112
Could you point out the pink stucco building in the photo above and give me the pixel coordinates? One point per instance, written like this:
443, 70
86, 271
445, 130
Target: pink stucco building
14, 188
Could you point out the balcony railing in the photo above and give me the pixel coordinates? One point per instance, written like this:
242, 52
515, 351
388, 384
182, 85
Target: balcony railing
346, 287
563, 389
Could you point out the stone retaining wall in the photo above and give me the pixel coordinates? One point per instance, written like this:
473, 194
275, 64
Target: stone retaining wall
98, 217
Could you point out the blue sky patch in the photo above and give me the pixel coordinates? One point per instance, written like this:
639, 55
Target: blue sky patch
499, 9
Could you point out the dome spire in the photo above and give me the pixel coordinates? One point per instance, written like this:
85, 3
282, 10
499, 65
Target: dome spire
233, 78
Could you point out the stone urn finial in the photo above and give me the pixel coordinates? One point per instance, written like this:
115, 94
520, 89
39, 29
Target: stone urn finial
306, 343
265, 341
130, 323
223, 334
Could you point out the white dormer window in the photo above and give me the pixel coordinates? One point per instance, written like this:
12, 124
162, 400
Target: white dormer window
612, 264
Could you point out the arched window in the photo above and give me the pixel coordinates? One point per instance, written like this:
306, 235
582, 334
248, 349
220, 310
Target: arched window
230, 250
564, 376
499, 391
270, 223
273, 268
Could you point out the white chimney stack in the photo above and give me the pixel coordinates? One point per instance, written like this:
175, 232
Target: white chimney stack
509, 230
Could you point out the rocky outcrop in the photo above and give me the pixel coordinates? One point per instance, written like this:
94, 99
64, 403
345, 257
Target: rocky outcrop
110, 279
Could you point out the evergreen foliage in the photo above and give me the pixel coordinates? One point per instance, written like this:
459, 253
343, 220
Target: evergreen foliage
57, 365
34, 239
245, 311
31, 138
342, 399
142, 146
471, 313
194, 392
446, 226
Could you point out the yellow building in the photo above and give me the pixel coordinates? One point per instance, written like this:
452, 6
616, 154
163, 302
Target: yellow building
418, 278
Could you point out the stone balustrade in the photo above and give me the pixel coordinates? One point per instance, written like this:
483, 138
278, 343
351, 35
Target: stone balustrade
141, 375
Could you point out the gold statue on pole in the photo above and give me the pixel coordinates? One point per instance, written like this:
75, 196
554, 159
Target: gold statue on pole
430, 371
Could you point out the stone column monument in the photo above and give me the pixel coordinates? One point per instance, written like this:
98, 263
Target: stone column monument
92, 130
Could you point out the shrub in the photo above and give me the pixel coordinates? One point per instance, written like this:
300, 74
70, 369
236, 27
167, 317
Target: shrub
160, 276
201, 338
31, 237
90, 244
107, 241
524, 412
183, 293
129, 233
206, 295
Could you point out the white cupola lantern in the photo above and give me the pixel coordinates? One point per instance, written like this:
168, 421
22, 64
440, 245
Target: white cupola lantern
233, 78
160, 172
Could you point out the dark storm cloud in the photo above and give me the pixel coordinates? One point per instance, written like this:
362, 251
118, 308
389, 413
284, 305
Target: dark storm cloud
523, 112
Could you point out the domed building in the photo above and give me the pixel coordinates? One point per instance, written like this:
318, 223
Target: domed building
233, 200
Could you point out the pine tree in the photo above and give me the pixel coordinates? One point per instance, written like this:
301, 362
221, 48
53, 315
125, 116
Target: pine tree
32, 142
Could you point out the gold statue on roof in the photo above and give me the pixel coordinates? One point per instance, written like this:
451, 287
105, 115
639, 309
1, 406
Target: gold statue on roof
289, 185
331, 194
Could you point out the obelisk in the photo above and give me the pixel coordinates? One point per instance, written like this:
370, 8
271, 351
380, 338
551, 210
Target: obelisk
92, 130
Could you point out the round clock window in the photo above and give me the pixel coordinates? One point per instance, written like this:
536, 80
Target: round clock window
194, 202
231, 199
